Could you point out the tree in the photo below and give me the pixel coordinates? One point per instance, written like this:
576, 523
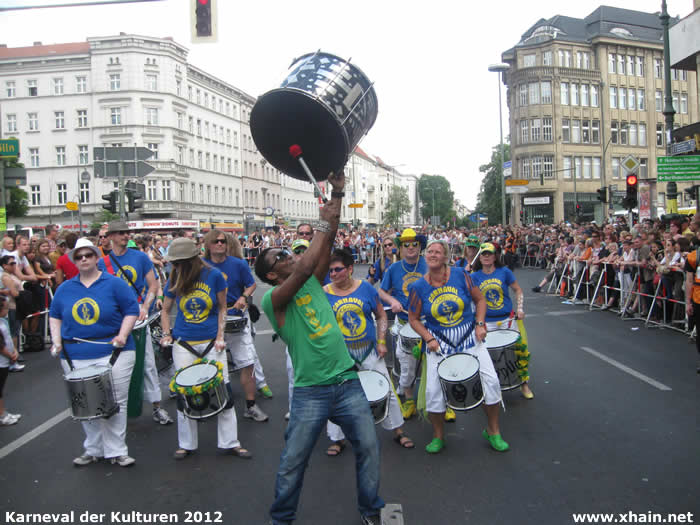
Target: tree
18, 204
489, 200
103, 217
398, 205
435, 189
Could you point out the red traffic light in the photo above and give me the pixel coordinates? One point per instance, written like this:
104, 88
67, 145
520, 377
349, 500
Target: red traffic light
631, 180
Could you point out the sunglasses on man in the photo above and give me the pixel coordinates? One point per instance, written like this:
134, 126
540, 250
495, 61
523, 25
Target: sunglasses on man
279, 256
410, 244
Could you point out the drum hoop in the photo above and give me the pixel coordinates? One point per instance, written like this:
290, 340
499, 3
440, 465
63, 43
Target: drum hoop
455, 381
102, 369
505, 345
319, 52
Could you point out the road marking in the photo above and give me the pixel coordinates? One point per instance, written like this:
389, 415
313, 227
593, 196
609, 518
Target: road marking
627, 369
26, 438
557, 313
264, 332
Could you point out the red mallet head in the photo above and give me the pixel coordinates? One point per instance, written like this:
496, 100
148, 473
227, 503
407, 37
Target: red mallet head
295, 150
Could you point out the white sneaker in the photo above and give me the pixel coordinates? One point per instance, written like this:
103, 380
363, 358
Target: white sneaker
286, 416
85, 459
16, 416
8, 419
255, 414
123, 461
16, 367
161, 416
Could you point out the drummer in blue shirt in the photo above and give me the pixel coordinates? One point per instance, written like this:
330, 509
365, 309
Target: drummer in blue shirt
97, 307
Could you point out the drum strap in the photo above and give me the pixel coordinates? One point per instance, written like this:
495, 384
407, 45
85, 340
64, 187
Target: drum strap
190, 348
467, 335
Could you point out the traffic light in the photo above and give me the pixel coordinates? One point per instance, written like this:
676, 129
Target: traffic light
204, 21
134, 200
112, 199
630, 200
602, 194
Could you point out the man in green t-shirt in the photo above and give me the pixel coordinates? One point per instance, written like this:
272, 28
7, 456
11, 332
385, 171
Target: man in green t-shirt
326, 386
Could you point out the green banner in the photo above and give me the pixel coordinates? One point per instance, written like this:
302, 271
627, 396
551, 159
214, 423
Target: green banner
678, 169
3, 220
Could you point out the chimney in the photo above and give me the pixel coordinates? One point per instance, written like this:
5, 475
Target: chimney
37, 43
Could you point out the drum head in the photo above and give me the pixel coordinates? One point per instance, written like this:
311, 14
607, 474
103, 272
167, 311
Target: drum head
458, 367
86, 372
408, 332
196, 374
375, 385
234, 317
501, 338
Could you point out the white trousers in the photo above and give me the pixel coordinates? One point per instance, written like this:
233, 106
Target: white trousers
226, 423
153, 380
434, 396
394, 417
107, 437
408, 365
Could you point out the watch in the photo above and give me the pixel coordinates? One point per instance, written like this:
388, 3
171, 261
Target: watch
480, 323
338, 194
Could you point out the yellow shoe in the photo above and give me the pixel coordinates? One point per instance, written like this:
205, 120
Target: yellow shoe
408, 410
450, 415
527, 393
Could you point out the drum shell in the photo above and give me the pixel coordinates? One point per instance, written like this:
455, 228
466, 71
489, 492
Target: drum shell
379, 406
408, 339
506, 362
93, 396
324, 112
207, 404
462, 395
235, 324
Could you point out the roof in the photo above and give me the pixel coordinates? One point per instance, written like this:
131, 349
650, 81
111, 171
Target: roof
73, 48
361, 153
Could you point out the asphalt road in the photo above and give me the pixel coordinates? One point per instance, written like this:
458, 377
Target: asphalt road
597, 438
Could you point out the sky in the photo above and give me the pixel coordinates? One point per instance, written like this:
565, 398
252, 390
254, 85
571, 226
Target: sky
438, 103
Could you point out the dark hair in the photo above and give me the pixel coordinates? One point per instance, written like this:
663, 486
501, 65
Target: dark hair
304, 224
261, 267
6, 259
496, 261
71, 239
342, 255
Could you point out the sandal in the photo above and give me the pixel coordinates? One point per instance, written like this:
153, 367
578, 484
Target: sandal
404, 441
240, 452
435, 446
336, 449
182, 453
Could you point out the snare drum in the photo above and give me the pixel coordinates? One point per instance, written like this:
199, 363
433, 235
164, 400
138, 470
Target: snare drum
501, 347
377, 391
460, 381
235, 324
408, 338
204, 389
91, 392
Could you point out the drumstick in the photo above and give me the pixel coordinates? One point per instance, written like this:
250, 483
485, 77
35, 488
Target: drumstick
295, 151
95, 342
475, 257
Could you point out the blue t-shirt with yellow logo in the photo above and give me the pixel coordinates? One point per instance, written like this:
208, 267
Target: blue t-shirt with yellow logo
198, 311
494, 287
238, 278
353, 312
398, 277
447, 310
95, 313
135, 265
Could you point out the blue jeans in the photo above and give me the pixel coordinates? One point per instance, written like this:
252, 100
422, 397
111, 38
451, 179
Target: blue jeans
345, 405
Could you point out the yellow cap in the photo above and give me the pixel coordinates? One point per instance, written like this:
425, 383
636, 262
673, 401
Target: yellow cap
409, 234
488, 247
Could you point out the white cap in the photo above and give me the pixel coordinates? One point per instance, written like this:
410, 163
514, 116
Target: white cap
83, 242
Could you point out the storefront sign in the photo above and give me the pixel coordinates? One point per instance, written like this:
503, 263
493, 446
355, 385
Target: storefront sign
531, 201
163, 225
644, 193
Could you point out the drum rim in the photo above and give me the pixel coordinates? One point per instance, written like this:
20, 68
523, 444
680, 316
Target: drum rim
192, 366
102, 368
501, 346
319, 52
455, 381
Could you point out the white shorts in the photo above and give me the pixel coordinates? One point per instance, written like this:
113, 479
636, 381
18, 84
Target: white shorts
241, 346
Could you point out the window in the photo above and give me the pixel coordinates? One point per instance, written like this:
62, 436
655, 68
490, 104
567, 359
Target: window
565, 137
182, 191
191, 163
152, 82
631, 102
675, 101
564, 88
235, 164
630, 65
152, 190
213, 132
216, 195
658, 100
200, 159
115, 116
525, 168
536, 167
613, 97
547, 58
36, 195
154, 148
235, 138
574, 95
33, 121
10, 89
594, 96
201, 193
178, 92
577, 167
658, 68
643, 171
206, 130
151, 116
206, 99
529, 61
83, 154
60, 156
585, 100
611, 63
566, 169
58, 86
580, 62
684, 103
32, 89
564, 58
523, 95
674, 74
640, 66
620, 64
547, 129
208, 161
84, 192
11, 123
586, 167
190, 124
524, 132
615, 167
640, 100
614, 132
596, 167
216, 163
586, 131
189, 93
60, 119
535, 129
193, 193
622, 103
595, 132
623, 133
546, 92
660, 135
166, 190
82, 118
208, 193
179, 117
115, 82
548, 166
534, 90
62, 193
633, 134
576, 131
642, 134
81, 84
199, 97
34, 157
237, 195
199, 127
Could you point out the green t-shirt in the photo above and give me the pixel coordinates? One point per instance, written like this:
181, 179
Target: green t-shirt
316, 344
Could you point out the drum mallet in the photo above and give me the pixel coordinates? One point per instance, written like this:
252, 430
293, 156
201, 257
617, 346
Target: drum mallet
295, 151
475, 257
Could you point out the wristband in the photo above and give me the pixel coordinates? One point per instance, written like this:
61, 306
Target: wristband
381, 341
337, 194
323, 226
161, 297
430, 340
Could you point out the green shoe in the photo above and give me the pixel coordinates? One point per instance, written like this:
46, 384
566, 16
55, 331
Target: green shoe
496, 441
435, 446
265, 392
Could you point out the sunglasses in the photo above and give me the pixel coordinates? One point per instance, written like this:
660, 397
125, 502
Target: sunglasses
410, 244
305, 234
219, 241
11, 263
486, 253
299, 251
390, 245
337, 269
102, 236
281, 255
81, 256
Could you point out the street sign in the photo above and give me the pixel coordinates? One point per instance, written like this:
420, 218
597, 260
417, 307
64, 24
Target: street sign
517, 182
72, 206
9, 148
516, 189
678, 169
508, 168
138, 189
112, 169
630, 164
355, 205
15, 177
117, 154
686, 146
249, 216
269, 211
618, 193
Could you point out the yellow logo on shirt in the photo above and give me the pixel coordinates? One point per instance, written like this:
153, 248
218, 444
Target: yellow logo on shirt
127, 272
86, 312
196, 305
350, 317
493, 293
446, 306
408, 280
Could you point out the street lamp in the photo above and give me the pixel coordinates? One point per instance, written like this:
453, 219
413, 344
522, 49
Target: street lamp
501, 68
